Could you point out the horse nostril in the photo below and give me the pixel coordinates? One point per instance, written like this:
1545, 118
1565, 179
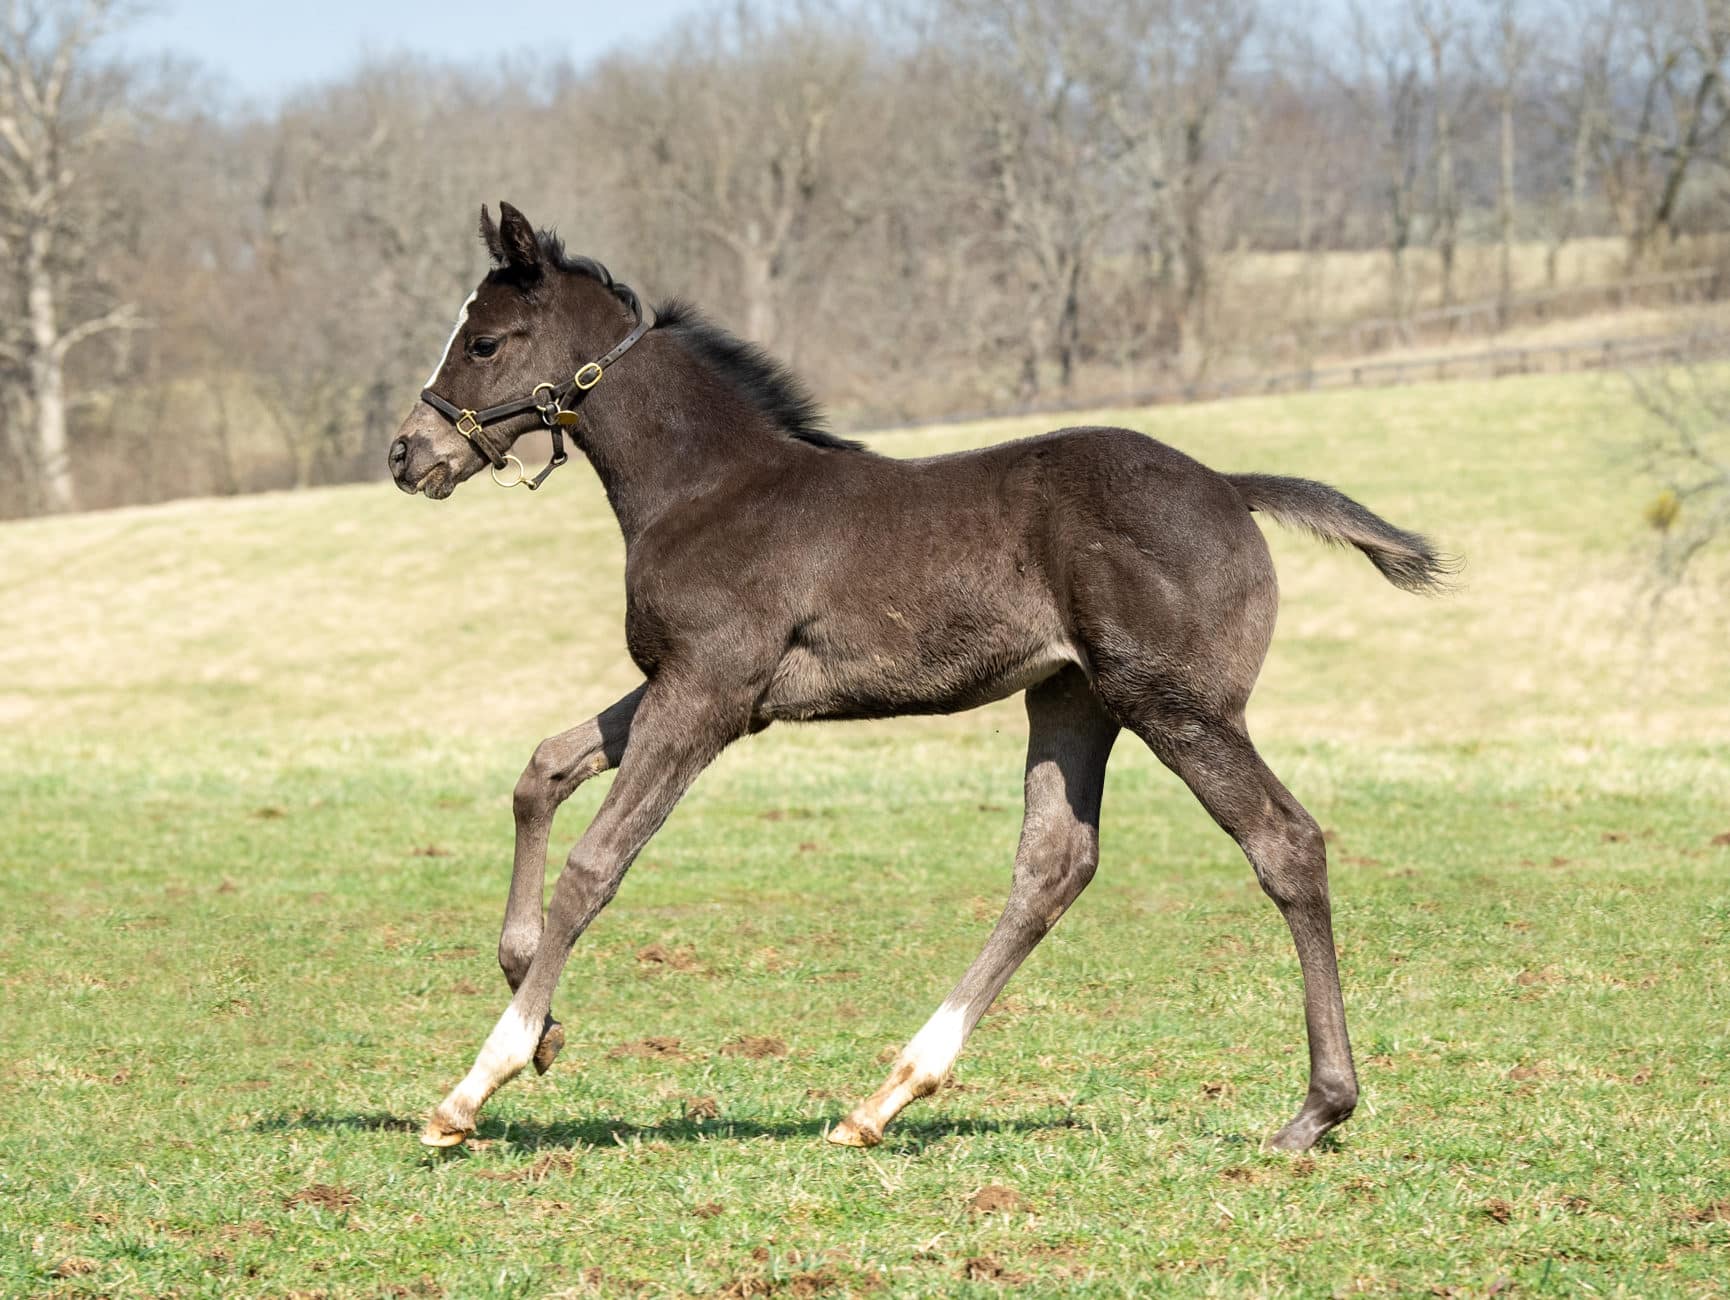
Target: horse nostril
399, 453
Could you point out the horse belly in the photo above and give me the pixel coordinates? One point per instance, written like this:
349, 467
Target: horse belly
811, 685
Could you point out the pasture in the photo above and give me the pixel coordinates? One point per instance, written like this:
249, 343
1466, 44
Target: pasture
256, 758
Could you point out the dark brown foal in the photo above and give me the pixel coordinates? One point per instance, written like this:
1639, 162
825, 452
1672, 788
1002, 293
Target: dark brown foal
775, 573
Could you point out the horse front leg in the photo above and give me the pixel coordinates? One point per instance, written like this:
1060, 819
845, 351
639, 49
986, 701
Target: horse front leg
674, 735
561, 763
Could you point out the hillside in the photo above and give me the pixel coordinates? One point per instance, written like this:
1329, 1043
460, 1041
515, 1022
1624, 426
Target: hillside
358, 610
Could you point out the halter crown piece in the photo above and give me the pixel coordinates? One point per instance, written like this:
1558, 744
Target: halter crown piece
554, 405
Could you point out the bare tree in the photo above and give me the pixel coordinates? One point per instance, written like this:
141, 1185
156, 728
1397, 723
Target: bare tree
58, 107
1687, 452
1042, 86
1386, 87
1441, 29
1575, 92
1173, 120
1513, 44
1673, 57
734, 135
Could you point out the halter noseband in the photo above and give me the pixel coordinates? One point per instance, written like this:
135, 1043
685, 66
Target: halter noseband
557, 410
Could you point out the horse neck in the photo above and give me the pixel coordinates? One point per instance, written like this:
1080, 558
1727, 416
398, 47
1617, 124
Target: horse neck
663, 430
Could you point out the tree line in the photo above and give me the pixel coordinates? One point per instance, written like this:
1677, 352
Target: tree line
925, 207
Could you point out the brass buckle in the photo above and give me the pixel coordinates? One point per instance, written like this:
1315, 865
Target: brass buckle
473, 426
592, 371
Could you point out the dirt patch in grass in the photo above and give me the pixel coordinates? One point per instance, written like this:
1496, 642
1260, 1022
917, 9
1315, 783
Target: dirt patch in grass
1539, 1070
75, 1266
553, 1162
819, 1282
657, 956
1718, 1212
996, 1199
250, 1228
702, 1108
988, 1268
1498, 1211
651, 1049
754, 1048
323, 1196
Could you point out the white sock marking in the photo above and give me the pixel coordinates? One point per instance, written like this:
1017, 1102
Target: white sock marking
507, 1050
462, 319
934, 1048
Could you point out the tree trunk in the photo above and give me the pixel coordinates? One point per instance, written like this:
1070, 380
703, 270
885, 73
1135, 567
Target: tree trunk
1447, 202
1069, 323
1505, 214
757, 276
47, 378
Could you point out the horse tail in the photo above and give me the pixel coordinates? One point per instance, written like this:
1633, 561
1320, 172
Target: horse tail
1408, 560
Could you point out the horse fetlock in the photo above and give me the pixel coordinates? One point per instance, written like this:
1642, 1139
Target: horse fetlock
448, 1125
1335, 1099
1329, 1104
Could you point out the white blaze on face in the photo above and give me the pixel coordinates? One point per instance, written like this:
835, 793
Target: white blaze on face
462, 319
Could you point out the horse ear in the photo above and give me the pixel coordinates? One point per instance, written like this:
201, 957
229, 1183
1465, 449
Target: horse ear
522, 249
490, 237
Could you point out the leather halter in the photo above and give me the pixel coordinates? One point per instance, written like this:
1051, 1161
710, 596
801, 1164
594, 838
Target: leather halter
557, 410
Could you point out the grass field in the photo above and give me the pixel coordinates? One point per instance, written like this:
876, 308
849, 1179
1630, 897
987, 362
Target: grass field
255, 768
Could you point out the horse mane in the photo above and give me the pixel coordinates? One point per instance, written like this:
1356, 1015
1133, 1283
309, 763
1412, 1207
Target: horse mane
765, 382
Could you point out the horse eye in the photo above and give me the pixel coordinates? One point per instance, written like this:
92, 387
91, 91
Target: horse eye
483, 347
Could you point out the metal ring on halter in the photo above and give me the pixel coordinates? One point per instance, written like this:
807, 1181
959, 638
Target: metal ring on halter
549, 409
520, 480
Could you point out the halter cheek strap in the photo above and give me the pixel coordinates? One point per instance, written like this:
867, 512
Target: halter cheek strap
554, 406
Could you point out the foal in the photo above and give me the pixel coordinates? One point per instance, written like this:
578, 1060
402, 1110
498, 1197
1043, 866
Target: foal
774, 572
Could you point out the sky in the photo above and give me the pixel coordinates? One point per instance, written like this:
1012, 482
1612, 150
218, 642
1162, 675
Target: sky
265, 49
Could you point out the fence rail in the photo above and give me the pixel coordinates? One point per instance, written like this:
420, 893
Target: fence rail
1493, 315
1481, 363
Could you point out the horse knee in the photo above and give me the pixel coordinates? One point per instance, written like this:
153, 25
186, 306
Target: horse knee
552, 774
1289, 855
517, 950
536, 791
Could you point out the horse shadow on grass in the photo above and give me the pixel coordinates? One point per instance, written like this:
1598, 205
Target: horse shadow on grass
598, 1131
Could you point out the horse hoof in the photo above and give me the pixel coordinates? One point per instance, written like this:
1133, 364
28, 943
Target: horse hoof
548, 1049
435, 1134
849, 1134
1288, 1141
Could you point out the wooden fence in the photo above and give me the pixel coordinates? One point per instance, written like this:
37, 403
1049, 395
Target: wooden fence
1487, 316
1481, 363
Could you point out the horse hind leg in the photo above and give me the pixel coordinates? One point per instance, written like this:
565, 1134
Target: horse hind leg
1069, 741
1285, 847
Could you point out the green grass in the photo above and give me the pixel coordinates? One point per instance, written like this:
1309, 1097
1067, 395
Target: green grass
255, 765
